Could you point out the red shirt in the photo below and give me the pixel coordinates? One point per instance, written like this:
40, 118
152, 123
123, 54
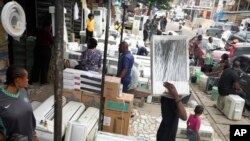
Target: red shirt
231, 50
194, 123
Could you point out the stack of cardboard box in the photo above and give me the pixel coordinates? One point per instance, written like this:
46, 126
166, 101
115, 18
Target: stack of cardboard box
118, 107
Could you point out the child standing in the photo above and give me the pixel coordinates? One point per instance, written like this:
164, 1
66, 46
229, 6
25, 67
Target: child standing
194, 123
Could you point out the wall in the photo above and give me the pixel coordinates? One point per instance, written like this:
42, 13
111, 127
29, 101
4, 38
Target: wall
206, 23
235, 18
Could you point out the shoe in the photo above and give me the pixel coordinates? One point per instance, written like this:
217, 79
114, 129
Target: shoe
244, 114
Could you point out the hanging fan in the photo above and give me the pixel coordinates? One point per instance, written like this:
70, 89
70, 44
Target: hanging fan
13, 19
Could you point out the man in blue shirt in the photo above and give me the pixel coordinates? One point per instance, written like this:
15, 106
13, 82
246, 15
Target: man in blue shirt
125, 65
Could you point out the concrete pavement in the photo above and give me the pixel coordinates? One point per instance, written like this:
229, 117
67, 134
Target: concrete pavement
186, 30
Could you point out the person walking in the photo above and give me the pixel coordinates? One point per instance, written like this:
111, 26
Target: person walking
172, 109
42, 54
194, 124
137, 10
125, 65
199, 31
146, 30
163, 24
90, 27
198, 53
16, 115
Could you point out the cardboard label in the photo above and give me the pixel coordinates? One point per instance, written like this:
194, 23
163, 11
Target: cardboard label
117, 106
106, 121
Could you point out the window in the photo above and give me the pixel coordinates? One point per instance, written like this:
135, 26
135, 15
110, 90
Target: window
235, 28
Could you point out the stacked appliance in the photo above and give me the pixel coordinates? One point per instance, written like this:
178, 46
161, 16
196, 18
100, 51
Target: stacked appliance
100, 14
85, 128
82, 80
44, 115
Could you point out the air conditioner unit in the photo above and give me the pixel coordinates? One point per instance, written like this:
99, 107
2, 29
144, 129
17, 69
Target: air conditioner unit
85, 128
233, 107
206, 131
104, 136
46, 110
45, 127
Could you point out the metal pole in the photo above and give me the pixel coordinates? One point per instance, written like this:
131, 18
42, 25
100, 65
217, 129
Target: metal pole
58, 84
123, 19
101, 115
82, 18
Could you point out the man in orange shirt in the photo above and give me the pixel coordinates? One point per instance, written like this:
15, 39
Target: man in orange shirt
90, 27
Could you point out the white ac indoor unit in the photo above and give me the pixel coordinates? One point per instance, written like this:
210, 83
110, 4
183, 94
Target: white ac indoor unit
45, 124
206, 131
233, 108
85, 128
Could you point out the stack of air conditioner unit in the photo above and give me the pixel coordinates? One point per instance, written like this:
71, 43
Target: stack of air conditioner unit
104, 136
44, 115
82, 80
233, 107
85, 128
206, 131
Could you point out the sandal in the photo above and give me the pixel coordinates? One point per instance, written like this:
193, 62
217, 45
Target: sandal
245, 114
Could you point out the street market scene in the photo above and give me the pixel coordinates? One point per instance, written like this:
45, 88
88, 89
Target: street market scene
124, 70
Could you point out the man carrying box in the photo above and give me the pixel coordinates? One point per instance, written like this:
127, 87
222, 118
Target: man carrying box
125, 65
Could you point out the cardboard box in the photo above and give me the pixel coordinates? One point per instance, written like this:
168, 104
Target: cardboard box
91, 99
123, 104
116, 122
72, 95
112, 87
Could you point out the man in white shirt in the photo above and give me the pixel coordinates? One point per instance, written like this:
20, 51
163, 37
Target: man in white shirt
137, 10
209, 45
199, 31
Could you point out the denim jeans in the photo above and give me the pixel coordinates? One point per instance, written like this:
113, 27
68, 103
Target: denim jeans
192, 136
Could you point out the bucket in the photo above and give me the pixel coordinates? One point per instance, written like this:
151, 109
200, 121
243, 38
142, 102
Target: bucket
198, 75
193, 79
215, 93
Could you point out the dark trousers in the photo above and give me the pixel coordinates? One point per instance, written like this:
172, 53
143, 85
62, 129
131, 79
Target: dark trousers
192, 136
145, 35
125, 84
89, 34
169, 124
40, 68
